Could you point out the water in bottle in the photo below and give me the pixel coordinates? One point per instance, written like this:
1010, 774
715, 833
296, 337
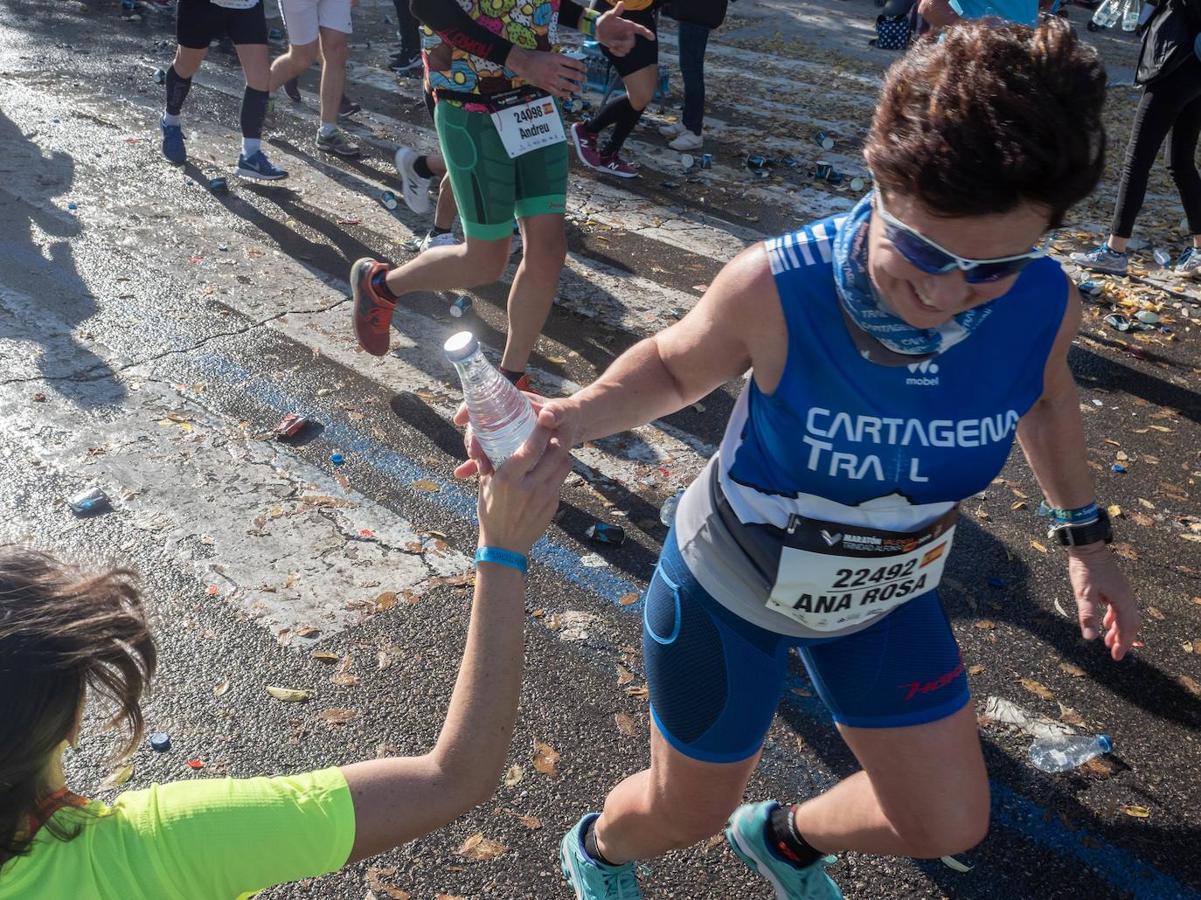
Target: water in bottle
501, 416
1066, 752
1130, 15
1107, 14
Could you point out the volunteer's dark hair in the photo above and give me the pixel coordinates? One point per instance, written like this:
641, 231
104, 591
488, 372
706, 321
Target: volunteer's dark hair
62, 631
992, 115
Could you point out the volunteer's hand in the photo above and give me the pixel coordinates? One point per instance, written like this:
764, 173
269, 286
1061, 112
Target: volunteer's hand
618, 34
555, 73
561, 417
1104, 599
518, 500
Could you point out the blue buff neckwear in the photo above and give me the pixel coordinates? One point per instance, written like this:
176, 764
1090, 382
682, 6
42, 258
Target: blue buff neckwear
862, 302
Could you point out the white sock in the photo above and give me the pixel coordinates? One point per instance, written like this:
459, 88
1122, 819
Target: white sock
326, 129
250, 146
169, 119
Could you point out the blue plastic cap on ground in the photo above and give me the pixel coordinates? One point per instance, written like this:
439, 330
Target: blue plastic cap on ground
337, 459
1117, 467
160, 741
1104, 743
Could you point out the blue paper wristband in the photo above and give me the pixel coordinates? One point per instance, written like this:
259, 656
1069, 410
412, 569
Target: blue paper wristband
502, 558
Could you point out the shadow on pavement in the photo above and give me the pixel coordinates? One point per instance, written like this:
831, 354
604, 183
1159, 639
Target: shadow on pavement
46, 276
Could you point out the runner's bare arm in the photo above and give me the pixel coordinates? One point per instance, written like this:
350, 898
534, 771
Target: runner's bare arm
737, 324
1051, 435
399, 799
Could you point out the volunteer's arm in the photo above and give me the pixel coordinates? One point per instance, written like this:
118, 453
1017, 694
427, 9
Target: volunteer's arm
1051, 435
399, 799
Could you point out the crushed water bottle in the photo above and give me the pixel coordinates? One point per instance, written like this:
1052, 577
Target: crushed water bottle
1067, 752
1163, 258
501, 416
667, 515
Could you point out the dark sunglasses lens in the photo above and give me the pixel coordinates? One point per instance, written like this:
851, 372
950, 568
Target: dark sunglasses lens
990, 272
919, 253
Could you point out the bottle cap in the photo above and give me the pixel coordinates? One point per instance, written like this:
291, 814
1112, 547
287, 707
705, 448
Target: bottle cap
460, 346
160, 741
1104, 743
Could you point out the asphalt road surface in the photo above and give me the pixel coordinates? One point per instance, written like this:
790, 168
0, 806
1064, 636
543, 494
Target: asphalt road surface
152, 332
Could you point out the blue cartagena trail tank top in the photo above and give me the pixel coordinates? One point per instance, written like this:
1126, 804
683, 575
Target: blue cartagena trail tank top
843, 439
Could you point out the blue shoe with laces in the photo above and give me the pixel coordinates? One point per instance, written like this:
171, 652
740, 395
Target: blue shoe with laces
259, 168
592, 880
747, 836
173, 146
1189, 263
1102, 259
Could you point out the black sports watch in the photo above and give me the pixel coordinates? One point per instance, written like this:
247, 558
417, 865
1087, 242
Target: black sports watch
1076, 535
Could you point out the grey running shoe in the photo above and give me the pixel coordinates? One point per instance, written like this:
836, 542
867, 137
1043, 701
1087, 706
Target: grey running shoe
338, 142
1189, 263
445, 239
1102, 259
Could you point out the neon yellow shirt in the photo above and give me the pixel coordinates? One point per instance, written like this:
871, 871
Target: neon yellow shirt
215, 839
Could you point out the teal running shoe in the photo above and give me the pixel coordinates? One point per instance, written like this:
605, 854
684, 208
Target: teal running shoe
591, 880
1102, 259
747, 836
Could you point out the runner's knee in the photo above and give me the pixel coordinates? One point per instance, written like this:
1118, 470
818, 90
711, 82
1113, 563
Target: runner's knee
545, 254
951, 826
486, 261
334, 51
305, 54
685, 821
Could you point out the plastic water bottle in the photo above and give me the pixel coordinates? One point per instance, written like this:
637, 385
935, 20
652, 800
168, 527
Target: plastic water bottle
1130, 15
1067, 752
501, 415
1107, 14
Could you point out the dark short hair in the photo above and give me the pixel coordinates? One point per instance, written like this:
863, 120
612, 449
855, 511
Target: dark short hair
990, 116
62, 631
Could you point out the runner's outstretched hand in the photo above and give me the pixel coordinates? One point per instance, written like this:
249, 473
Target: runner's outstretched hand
477, 461
1104, 599
618, 34
518, 500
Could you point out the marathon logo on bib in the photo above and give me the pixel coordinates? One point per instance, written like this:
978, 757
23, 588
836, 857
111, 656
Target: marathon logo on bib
850, 576
529, 126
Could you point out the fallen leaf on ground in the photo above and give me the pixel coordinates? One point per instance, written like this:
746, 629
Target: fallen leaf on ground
220, 690
802, 692
307, 631
1072, 669
430, 487
625, 724
514, 776
337, 716
975, 670
624, 675
479, 848
324, 656
627, 599
1069, 716
385, 601
375, 883
1189, 685
641, 692
986, 624
290, 695
545, 758
116, 778
1136, 812
1037, 688
1041, 548
1155, 613
533, 823
344, 679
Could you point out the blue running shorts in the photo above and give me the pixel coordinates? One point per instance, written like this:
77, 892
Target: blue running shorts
716, 680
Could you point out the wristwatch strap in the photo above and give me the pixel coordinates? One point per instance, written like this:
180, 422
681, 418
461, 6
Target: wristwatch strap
1099, 529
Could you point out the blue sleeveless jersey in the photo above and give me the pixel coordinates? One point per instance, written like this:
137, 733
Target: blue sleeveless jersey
840, 431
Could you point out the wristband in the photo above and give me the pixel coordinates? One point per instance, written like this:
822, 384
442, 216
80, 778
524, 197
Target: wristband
502, 558
587, 23
1081, 515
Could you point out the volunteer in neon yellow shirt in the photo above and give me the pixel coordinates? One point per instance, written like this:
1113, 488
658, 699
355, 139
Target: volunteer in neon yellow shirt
63, 632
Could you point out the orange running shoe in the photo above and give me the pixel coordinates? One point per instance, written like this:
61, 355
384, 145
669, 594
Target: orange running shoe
372, 313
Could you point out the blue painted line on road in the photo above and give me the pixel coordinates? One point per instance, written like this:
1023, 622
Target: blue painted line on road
400, 469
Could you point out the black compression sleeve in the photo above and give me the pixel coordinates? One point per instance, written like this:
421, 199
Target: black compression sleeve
459, 30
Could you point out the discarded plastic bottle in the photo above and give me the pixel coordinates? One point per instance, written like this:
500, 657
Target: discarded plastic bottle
501, 415
667, 515
1107, 14
1130, 15
93, 500
1070, 751
461, 306
1162, 257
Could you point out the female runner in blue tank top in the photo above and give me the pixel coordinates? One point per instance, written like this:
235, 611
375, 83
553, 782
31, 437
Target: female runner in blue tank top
895, 353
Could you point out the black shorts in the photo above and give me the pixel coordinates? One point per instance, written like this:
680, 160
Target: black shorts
644, 53
200, 22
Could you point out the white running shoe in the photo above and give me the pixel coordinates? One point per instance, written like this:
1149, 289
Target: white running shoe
414, 188
687, 140
446, 239
674, 130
